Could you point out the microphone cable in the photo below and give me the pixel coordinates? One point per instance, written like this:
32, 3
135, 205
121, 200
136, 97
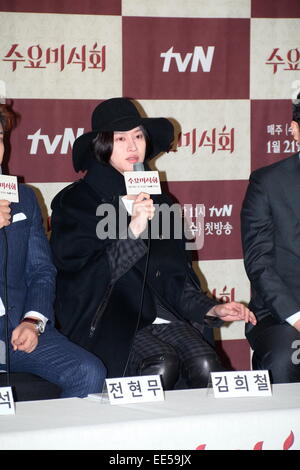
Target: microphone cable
139, 166
142, 298
5, 303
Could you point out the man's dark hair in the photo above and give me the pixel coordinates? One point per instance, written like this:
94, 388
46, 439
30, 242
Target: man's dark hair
7, 118
296, 110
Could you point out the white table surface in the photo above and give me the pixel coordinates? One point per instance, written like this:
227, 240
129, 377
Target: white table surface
185, 420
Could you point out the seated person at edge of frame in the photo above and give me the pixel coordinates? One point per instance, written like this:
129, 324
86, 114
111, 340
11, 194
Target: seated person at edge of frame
35, 345
270, 221
100, 278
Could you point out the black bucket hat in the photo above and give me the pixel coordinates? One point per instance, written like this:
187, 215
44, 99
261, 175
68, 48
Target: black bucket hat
120, 114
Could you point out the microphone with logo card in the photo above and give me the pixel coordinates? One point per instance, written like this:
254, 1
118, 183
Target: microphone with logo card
141, 181
8, 192
8, 187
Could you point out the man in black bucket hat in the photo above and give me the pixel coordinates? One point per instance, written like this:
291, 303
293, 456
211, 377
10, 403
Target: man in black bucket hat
120, 114
101, 279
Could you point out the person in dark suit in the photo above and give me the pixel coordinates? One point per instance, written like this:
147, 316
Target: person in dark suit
270, 222
101, 277
36, 347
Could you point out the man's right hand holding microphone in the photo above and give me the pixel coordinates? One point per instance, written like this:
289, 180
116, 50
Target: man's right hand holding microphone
4, 213
142, 211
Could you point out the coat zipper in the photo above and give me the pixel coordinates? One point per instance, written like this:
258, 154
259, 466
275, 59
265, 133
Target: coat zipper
100, 310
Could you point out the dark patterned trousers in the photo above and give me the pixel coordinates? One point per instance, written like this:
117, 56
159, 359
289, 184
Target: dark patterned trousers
176, 351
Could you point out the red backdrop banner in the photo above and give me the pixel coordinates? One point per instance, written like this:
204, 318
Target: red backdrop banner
225, 72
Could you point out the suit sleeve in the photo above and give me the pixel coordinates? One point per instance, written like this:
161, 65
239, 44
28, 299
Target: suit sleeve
258, 238
40, 271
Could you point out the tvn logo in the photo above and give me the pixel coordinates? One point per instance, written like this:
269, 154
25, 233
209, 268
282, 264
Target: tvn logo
62, 142
224, 211
190, 61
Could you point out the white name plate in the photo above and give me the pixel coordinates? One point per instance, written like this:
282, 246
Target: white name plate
7, 405
9, 188
142, 182
254, 383
134, 389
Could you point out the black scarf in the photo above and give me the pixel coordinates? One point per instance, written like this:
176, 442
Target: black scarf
108, 182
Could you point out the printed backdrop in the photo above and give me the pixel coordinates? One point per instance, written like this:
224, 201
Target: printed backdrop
224, 71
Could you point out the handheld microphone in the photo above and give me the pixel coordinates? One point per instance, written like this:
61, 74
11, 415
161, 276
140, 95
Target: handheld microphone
141, 180
8, 187
139, 166
4, 345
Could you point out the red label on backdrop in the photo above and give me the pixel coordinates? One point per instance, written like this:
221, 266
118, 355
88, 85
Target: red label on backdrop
271, 137
182, 58
100, 7
41, 145
275, 9
284, 59
220, 216
35, 57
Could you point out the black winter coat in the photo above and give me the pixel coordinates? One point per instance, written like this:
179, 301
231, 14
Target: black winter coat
99, 282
